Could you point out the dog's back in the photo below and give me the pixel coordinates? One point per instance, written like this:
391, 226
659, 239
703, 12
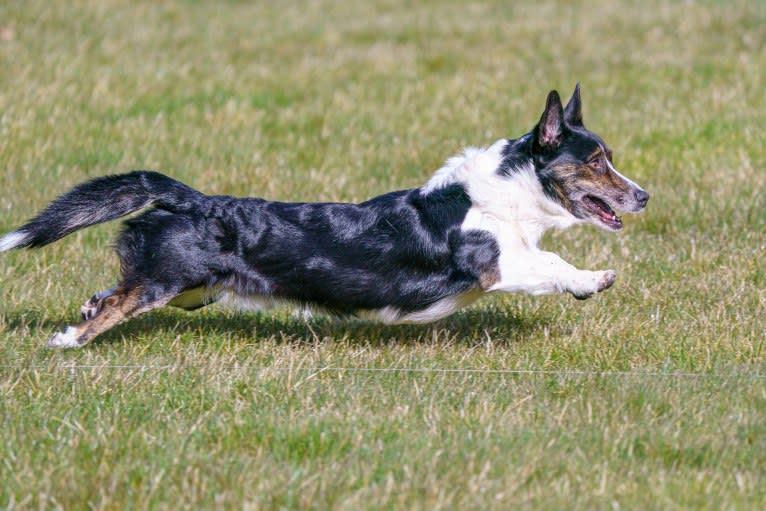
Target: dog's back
402, 251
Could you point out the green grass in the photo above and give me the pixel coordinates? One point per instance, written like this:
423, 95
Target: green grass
343, 101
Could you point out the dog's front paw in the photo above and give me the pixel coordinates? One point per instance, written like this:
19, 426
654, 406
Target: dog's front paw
595, 282
607, 279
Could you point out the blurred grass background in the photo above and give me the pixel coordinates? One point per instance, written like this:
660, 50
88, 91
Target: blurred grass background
343, 101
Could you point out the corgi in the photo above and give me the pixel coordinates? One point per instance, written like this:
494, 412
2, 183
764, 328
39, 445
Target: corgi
409, 256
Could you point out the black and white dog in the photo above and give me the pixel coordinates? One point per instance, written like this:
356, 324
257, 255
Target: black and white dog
411, 256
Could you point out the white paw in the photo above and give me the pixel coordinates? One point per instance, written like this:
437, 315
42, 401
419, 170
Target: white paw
66, 339
607, 279
594, 282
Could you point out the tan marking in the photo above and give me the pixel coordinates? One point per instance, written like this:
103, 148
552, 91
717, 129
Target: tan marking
582, 177
596, 152
567, 173
113, 310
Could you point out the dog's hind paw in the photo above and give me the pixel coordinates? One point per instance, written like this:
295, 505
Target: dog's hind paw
67, 339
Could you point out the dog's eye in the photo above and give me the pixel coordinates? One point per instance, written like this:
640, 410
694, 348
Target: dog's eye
595, 163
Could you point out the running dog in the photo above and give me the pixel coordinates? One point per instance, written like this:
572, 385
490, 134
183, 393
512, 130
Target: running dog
411, 256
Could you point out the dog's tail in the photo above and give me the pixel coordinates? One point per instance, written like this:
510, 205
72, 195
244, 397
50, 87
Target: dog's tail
100, 200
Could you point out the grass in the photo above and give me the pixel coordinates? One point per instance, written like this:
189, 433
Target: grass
343, 101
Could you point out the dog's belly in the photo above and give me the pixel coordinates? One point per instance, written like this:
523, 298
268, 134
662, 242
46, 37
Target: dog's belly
201, 296
437, 310
391, 314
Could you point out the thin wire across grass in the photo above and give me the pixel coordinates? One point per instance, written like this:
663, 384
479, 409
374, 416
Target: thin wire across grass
403, 370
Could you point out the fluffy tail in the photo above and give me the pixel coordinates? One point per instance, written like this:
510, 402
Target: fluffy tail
100, 200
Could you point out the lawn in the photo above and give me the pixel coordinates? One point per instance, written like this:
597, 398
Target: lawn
651, 395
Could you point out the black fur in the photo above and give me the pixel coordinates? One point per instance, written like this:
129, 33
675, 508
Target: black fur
104, 199
401, 249
516, 155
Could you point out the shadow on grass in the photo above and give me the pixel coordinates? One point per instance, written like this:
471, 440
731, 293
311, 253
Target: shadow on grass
468, 328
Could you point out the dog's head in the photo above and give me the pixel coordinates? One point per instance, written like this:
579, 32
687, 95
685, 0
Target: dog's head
575, 167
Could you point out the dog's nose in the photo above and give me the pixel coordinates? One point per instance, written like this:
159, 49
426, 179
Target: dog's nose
641, 197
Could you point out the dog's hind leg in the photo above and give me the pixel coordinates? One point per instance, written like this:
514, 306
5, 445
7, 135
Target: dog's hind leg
120, 305
95, 303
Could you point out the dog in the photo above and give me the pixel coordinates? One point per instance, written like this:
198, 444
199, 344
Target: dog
410, 256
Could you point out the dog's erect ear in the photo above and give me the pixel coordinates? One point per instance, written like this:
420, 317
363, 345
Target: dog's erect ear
548, 133
573, 111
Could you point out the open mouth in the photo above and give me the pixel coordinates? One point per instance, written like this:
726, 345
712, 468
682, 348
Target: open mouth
602, 212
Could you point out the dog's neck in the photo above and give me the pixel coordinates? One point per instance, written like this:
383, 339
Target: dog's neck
507, 203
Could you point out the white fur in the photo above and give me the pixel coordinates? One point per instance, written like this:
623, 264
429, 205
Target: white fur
262, 303
252, 302
499, 202
389, 315
437, 310
67, 339
516, 211
442, 308
13, 240
451, 172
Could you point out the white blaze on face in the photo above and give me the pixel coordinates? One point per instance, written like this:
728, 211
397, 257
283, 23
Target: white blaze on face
627, 180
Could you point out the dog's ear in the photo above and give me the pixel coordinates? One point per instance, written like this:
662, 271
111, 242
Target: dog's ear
548, 131
573, 111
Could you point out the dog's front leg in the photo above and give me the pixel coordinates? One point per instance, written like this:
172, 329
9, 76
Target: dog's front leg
537, 272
